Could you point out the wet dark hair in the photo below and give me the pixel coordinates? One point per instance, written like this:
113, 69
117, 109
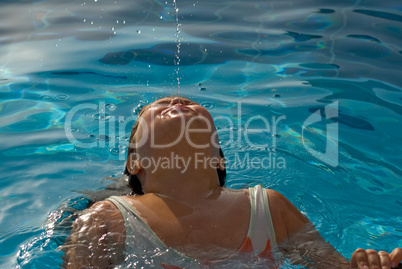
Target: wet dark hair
134, 182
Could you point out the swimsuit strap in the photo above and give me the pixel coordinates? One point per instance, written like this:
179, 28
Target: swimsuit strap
125, 208
261, 230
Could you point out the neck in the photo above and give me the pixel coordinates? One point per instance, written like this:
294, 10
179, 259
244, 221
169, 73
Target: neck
188, 186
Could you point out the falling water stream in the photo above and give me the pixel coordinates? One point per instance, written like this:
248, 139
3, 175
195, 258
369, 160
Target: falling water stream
177, 61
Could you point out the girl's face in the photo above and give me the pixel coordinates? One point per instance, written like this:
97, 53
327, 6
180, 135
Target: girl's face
175, 123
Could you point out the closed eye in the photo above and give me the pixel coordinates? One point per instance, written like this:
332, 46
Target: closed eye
162, 103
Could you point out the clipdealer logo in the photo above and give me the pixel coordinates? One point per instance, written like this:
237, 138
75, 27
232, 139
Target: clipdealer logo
237, 132
330, 156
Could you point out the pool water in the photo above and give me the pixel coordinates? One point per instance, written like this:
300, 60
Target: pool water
326, 74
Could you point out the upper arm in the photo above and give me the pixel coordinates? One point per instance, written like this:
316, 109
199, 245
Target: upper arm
286, 218
301, 242
97, 238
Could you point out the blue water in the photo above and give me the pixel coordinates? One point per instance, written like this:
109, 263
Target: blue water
239, 59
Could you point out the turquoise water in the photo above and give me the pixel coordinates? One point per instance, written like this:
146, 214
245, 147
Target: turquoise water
73, 75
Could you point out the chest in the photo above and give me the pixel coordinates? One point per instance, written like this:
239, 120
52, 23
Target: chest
217, 229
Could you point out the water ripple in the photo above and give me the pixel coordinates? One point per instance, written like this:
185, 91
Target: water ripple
380, 14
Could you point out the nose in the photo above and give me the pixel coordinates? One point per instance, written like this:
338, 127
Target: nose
176, 100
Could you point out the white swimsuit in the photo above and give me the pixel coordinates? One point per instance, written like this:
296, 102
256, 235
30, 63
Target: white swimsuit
145, 249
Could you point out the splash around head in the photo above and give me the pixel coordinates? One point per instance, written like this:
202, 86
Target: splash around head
174, 139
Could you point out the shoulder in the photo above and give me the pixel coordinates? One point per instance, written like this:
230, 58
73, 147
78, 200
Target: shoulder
101, 216
100, 219
279, 200
102, 208
97, 238
286, 217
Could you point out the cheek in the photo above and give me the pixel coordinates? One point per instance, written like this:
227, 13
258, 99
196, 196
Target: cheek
203, 111
156, 110
149, 116
144, 127
208, 117
206, 120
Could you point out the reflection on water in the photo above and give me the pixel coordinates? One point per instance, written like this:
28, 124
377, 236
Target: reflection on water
237, 58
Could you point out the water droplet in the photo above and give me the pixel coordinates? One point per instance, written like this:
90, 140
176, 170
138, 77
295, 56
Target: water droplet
138, 31
203, 89
45, 97
114, 151
91, 136
276, 95
208, 105
111, 107
104, 137
62, 97
101, 116
138, 108
122, 150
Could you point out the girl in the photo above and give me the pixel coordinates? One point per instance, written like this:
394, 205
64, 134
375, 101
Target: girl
182, 216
